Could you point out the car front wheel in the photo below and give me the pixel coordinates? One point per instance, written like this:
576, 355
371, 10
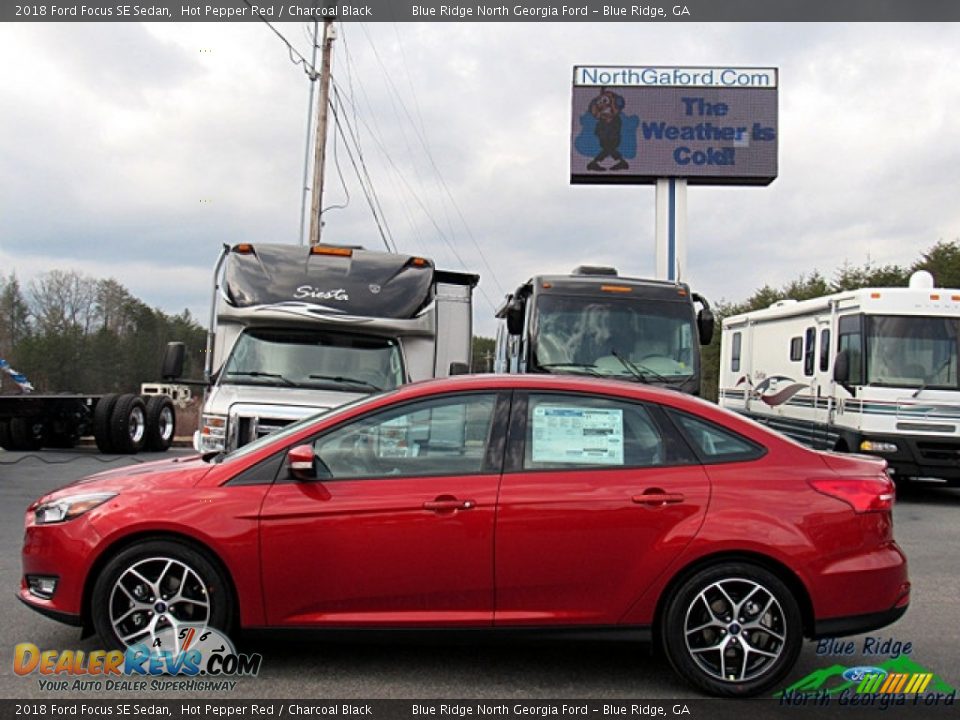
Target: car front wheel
156, 586
732, 630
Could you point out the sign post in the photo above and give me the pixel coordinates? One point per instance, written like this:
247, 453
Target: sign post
673, 127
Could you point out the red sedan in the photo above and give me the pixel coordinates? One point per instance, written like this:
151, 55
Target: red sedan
549, 503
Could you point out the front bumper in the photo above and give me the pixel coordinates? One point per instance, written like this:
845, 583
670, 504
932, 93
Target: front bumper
921, 456
46, 609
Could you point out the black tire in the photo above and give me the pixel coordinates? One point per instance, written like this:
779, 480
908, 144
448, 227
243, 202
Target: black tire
108, 603
6, 442
768, 621
128, 425
161, 423
26, 435
101, 423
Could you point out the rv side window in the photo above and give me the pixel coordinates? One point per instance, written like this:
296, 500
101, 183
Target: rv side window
824, 350
735, 353
796, 349
849, 338
809, 351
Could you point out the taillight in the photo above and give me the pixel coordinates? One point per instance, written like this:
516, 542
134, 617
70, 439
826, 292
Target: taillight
862, 494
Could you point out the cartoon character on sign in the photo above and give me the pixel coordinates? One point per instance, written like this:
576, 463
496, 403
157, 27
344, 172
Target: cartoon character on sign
607, 132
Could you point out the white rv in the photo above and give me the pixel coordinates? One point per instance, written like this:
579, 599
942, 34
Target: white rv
871, 371
295, 330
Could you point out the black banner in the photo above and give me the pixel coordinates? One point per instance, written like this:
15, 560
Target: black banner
479, 10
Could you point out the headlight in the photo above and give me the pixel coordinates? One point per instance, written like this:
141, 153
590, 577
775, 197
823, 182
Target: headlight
213, 433
67, 508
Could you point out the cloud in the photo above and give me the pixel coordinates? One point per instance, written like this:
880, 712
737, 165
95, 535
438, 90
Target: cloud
140, 149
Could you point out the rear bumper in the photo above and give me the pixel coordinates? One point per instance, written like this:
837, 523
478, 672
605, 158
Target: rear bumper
856, 624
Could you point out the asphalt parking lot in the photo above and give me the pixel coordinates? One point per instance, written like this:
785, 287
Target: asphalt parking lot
927, 525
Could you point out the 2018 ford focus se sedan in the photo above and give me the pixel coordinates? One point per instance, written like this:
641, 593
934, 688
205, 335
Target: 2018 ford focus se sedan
491, 503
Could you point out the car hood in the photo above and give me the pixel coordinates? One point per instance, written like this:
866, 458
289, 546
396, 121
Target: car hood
183, 472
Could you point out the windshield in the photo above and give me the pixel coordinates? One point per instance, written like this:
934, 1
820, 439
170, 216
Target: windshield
620, 337
314, 359
912, 351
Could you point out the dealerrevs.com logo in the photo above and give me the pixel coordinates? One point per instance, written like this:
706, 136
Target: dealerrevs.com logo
190, 657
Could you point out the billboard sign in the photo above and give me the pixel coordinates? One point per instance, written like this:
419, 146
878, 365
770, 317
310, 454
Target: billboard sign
710, 125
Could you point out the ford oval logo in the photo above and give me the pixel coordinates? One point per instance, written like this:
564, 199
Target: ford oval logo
856, 674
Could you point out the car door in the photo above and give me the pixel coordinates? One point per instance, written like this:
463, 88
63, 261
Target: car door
599, 495
397, 529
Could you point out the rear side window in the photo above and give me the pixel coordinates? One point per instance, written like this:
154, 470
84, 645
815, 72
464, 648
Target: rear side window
576, 432
824, 350
713, 443
735, 352
809, 351
796, 349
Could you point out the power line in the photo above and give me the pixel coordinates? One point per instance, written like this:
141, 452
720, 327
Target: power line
308, 67
429, 154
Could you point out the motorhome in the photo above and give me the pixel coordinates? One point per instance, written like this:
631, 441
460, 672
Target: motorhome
596, 322
298, 329
871, 371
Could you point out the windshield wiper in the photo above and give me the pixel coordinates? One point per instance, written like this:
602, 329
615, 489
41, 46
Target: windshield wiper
257, 373
341, 379
589, 368
638, 369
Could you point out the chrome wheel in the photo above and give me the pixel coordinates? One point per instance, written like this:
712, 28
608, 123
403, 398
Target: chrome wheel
735, 629
165, 424
136, 425
156, 594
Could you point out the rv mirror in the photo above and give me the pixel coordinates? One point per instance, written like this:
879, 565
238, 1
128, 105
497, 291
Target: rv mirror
705, 323
173, 356
300, 463
515, 316
459, 368
841, 367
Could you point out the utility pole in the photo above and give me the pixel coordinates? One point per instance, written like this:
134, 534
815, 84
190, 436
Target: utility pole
320, 146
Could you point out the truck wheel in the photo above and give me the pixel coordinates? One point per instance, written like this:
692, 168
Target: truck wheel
128, 424
161, 423
5, 440
101, 423
26, 434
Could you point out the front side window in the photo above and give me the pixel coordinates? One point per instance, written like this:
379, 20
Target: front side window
315, 359
586, 334
447, 436
578, 432
850, 339
912, 351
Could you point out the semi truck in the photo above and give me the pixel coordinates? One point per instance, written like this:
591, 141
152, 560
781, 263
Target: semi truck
295, 330
119, 422
596, 322
871, 371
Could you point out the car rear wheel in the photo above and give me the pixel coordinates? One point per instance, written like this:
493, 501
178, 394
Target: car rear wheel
157, 586
732, 630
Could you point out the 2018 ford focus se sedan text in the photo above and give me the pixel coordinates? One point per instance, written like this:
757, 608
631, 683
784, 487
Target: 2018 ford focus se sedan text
491, 503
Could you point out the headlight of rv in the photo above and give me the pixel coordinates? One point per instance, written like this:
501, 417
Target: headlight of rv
67, 508
878, 447
213, 433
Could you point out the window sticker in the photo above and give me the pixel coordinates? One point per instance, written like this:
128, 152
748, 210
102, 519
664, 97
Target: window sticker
591, 436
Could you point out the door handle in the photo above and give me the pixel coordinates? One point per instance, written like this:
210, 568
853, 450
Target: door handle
658, 498
448, 505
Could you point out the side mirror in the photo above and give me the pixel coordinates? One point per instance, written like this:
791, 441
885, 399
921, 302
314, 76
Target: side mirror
459, 368
515, 316
841, 367
300, 463
705, 324
173, 356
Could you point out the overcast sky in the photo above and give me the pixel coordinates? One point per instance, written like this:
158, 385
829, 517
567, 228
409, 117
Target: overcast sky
134, 151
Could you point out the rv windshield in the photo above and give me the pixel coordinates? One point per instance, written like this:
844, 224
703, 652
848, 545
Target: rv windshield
315, 359
581, 334
912, 351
